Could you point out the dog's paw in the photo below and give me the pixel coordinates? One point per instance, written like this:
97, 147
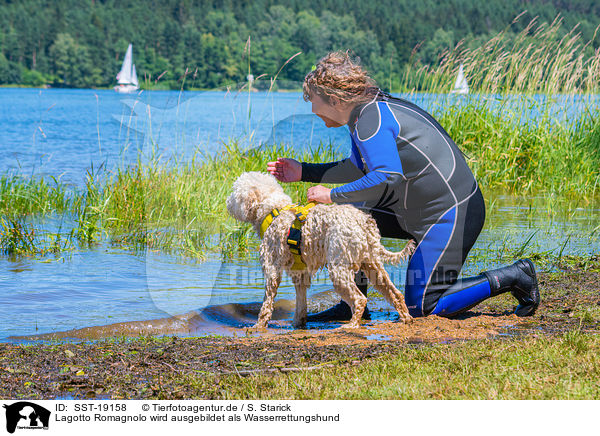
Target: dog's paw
257, 328
348, 326
405, 318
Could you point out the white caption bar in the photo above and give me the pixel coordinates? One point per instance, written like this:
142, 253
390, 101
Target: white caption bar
103, 417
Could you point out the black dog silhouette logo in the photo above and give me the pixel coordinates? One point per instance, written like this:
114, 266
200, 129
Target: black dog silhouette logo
26, 415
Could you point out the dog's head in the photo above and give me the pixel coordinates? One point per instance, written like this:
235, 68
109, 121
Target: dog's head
251, 193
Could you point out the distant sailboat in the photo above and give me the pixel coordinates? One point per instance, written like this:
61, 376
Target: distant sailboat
127, 78
461, 86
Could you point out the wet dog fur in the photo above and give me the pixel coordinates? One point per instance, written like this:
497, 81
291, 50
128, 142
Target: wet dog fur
339, 237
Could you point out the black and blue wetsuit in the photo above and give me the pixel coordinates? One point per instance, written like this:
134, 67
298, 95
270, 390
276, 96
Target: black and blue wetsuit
405, 170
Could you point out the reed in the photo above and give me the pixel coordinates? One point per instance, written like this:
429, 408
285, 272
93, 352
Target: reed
21, 201
535, 61
20, 196
18, 237
547, 157
187, 201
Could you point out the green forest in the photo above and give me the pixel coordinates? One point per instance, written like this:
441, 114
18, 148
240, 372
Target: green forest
207, 44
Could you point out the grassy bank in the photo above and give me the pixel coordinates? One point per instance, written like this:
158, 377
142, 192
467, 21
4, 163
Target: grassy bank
563, 366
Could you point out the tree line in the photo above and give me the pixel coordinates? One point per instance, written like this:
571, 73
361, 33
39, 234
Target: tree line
208, 43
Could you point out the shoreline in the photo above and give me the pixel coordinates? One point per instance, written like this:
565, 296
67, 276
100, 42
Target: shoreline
299, 90
110, 88
564, 333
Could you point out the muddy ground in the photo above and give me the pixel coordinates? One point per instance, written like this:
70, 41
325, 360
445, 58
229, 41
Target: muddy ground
141, 367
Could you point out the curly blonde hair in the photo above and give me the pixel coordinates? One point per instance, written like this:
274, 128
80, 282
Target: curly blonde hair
339, 77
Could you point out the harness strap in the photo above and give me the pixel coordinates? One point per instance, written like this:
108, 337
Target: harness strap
295, 233
269, 219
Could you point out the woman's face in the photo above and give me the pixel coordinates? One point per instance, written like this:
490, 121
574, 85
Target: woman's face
334, 116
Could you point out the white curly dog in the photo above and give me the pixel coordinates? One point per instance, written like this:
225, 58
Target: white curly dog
340, 237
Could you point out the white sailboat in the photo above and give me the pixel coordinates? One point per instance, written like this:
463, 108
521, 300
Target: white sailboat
127, 78
461, 86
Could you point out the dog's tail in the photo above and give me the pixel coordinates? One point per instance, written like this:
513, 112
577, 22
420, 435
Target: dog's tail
399, 257
374, 240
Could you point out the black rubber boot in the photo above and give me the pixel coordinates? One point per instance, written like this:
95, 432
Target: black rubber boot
520, 279
341, 311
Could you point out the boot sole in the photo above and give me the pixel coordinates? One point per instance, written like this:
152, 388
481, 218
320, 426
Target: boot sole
329, 315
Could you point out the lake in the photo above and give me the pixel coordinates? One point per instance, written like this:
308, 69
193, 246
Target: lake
66, 133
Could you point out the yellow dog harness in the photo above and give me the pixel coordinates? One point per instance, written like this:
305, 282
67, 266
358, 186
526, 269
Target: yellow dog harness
295, 232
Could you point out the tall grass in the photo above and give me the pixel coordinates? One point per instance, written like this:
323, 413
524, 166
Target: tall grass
538, 60
179, 206
27, 196
23, 199
544, 158
18, 237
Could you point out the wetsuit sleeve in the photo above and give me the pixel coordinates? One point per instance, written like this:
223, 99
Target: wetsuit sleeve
342, 171
376, 133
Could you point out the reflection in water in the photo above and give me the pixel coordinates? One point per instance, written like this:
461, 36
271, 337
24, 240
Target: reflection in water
225, 319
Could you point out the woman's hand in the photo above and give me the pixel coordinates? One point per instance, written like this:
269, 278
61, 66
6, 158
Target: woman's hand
319, 193
285, 169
